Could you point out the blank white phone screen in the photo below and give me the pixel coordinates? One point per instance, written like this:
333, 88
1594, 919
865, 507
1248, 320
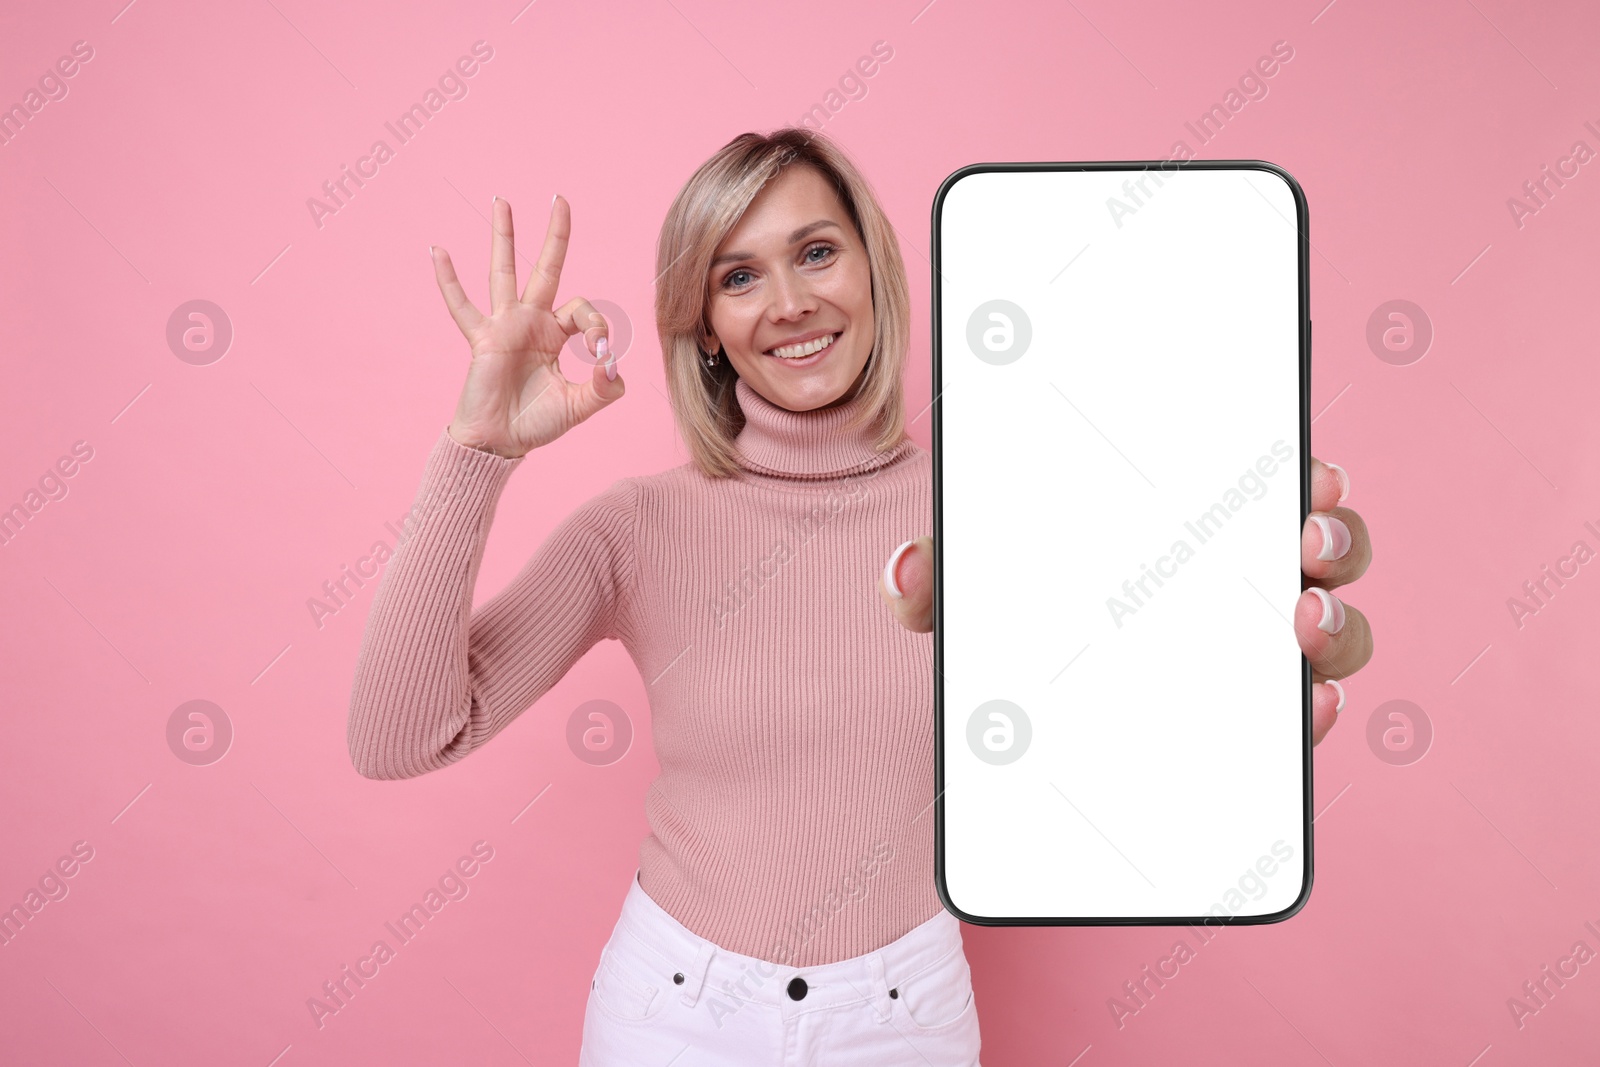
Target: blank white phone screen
1123, 703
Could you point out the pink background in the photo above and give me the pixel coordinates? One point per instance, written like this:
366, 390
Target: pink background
219, 898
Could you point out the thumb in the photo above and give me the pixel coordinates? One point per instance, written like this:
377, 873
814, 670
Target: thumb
906, 584
603, 387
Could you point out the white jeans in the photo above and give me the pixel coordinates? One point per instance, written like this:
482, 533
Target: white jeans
663, 995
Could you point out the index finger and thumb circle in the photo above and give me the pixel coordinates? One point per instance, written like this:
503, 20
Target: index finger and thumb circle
579, 316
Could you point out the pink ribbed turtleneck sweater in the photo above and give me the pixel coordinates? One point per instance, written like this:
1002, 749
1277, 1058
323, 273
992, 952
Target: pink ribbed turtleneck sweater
792, 715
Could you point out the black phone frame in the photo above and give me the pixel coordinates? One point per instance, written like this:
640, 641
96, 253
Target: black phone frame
1303, 258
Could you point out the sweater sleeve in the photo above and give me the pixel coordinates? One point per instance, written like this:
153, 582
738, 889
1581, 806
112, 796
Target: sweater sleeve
435, 680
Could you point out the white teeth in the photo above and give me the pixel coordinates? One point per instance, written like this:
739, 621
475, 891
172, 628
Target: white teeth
800, 351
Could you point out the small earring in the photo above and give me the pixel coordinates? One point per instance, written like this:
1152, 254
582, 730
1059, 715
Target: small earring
711, 359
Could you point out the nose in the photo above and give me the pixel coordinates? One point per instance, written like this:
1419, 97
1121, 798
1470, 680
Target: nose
791, 296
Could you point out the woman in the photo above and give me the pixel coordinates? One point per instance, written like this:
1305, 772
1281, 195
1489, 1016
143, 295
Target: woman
784, 909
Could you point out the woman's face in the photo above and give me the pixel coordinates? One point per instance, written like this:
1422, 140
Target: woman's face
794, 267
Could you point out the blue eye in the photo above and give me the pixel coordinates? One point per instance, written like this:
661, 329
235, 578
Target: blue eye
728, 281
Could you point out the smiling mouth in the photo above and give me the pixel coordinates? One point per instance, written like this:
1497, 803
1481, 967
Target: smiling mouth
806, 349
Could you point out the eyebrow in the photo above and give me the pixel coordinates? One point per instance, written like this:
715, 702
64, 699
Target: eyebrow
728, 257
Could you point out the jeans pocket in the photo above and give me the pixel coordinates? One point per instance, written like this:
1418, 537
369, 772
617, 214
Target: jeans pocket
625, 987
939, 996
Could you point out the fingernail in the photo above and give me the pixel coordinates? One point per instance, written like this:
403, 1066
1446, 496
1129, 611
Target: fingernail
1335, 537
600, 347
553, 199
1332, 620
611, 370
889, 582
1337, 688
430, 251
1344, 480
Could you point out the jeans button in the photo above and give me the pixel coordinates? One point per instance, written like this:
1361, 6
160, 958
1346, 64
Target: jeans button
797, 988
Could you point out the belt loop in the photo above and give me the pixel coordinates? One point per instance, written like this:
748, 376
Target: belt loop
880, 988
694, 976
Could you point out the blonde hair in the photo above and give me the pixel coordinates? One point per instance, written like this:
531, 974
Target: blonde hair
705, 211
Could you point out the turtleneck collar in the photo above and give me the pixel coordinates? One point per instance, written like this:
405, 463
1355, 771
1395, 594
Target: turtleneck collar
806, 444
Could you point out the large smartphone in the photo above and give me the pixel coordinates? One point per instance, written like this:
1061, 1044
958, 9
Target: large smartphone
1121, 453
